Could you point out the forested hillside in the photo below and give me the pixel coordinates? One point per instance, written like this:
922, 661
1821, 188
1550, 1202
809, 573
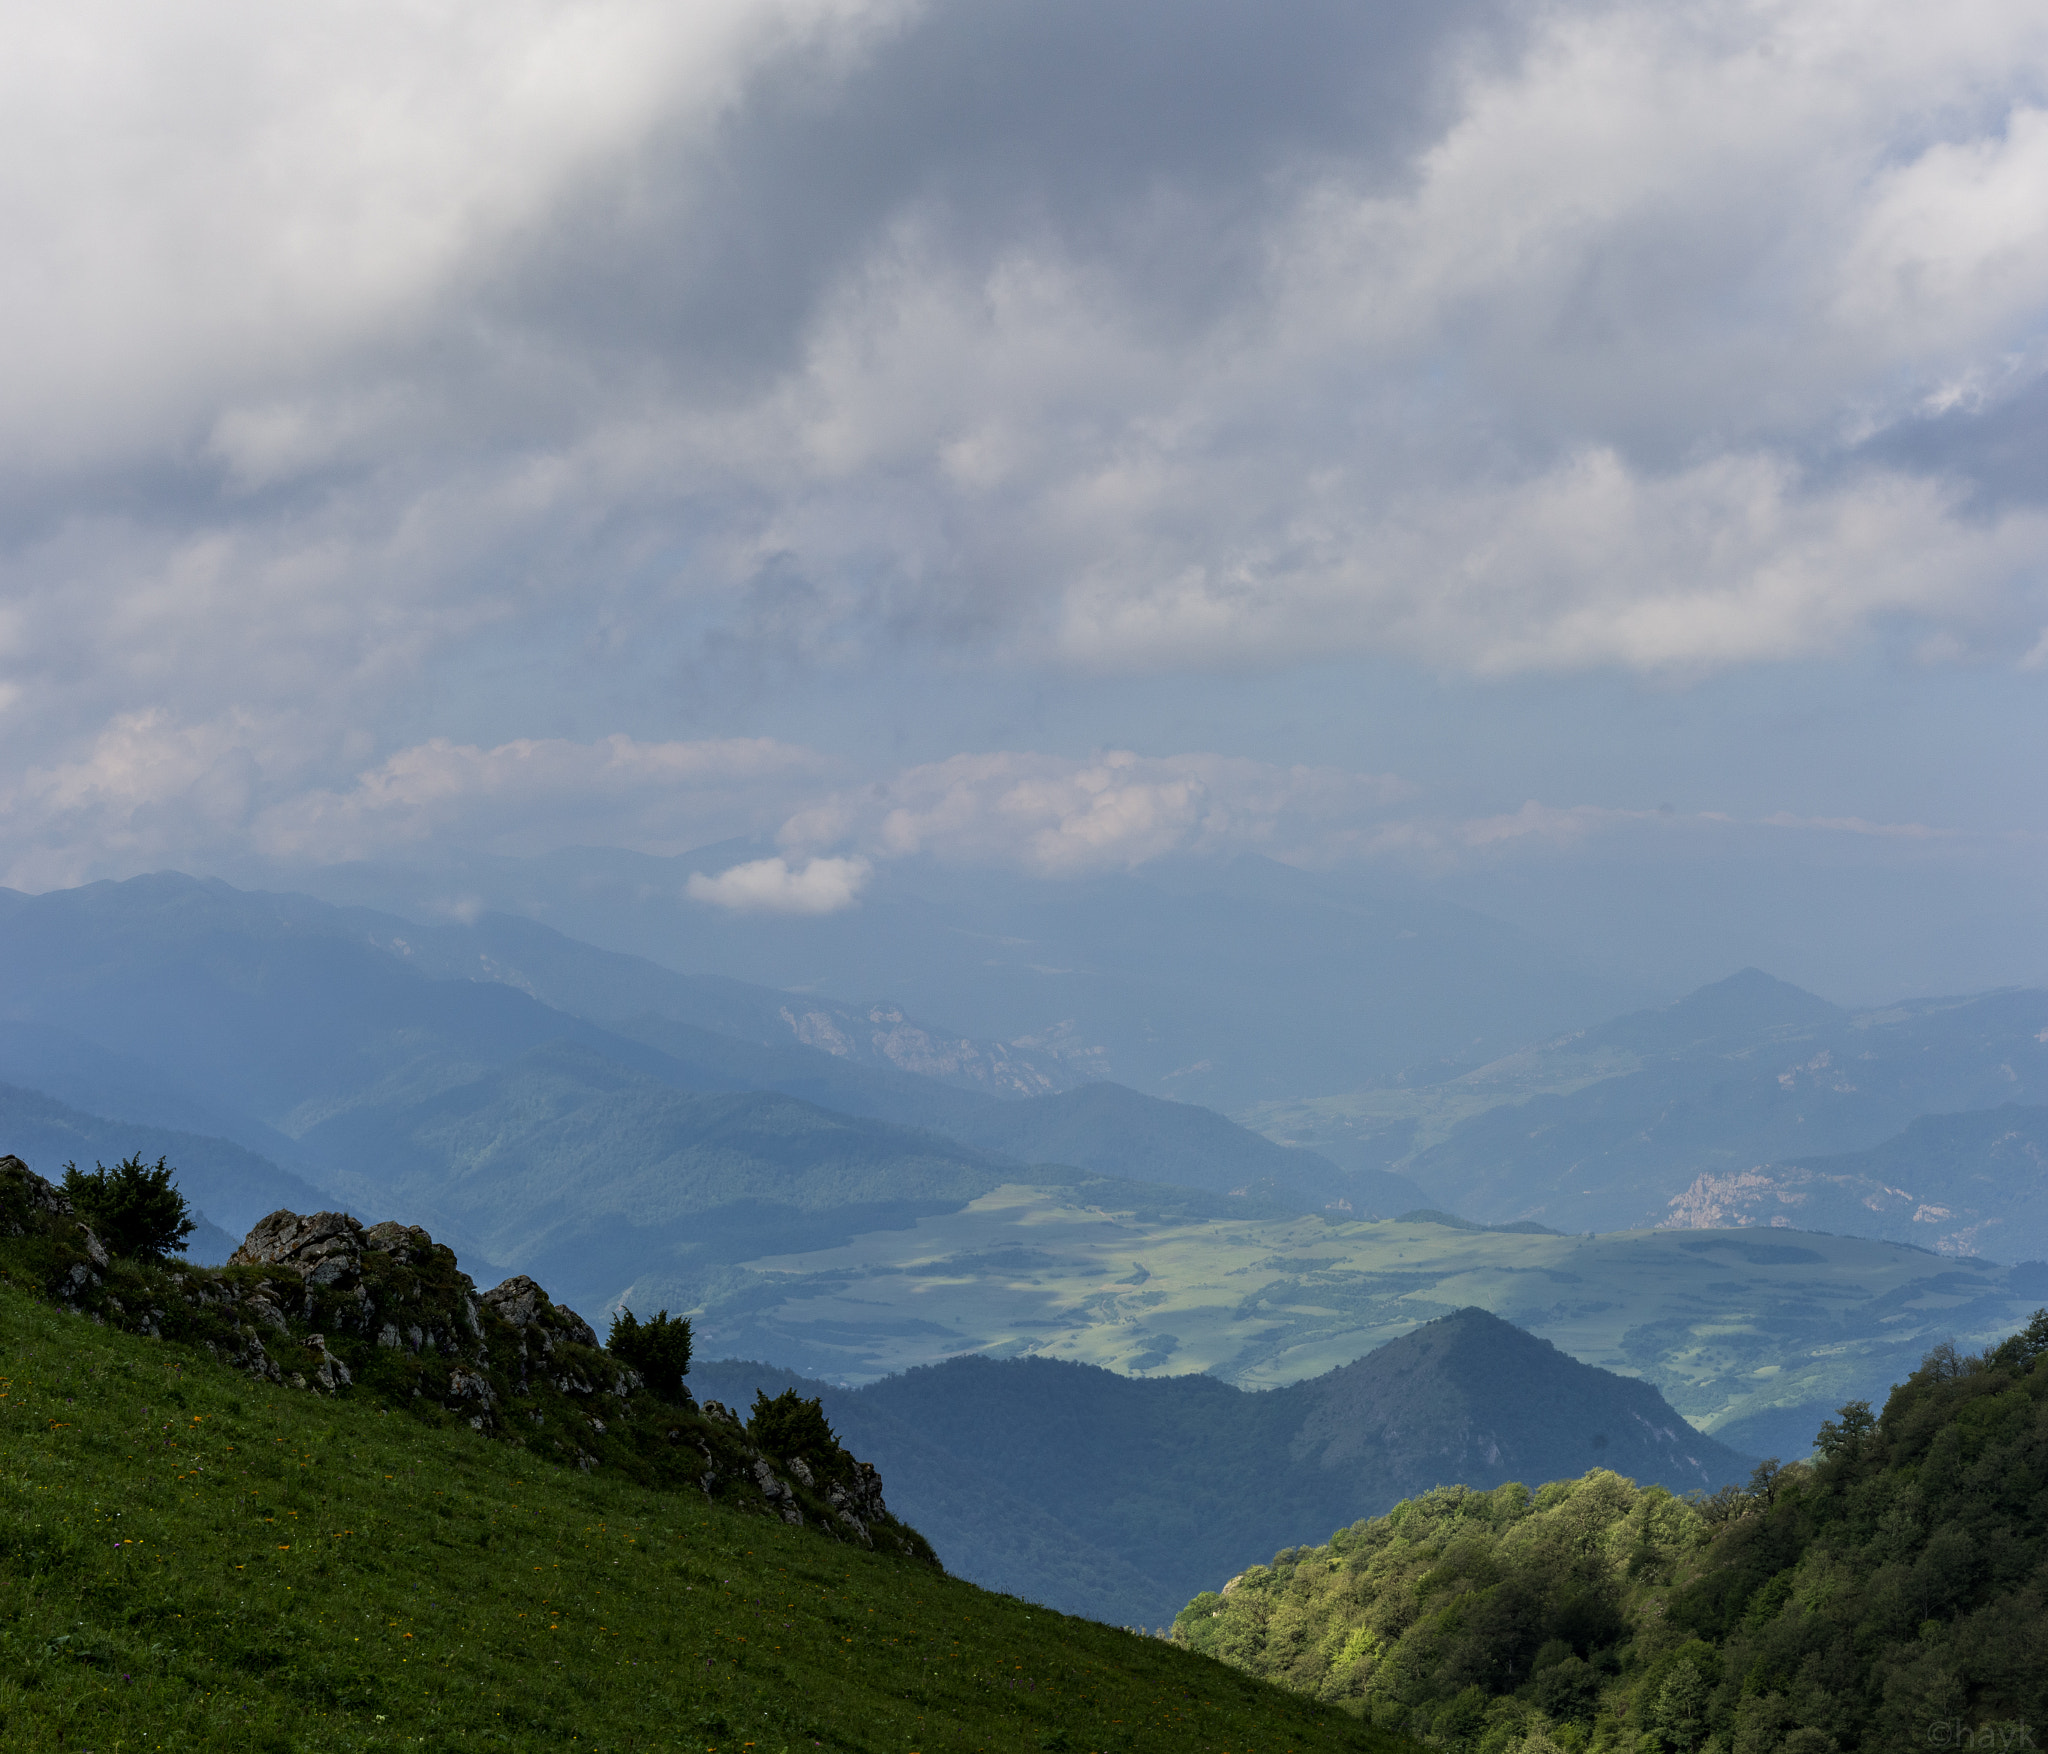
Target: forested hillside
1892, 1594
1118, 1497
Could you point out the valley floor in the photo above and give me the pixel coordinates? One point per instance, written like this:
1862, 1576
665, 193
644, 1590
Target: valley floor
1753, 1335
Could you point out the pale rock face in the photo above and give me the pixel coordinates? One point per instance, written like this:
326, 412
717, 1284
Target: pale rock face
326, 1244
519, 1301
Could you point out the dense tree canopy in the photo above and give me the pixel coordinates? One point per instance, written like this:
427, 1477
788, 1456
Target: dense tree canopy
659, 1350
790, 1425
1890, 1594
134, 1209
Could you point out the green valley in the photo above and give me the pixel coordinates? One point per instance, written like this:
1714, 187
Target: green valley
1753, 1335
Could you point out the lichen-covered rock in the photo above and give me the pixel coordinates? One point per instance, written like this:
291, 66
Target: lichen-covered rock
320, 1303
523, 1305
285, 1239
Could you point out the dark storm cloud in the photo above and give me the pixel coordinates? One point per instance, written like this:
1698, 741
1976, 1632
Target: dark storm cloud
1146, 135
386, 380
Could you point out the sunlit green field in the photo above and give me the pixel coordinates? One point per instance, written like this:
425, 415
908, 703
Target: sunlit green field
1725, 1322
189, 1560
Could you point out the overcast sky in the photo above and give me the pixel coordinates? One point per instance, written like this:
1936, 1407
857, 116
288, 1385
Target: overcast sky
1555, 451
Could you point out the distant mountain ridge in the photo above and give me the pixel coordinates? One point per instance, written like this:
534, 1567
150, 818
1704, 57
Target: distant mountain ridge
229, 1186
1110, 1496
1620, 1126
1113, 1130
433, 1067
1219, 981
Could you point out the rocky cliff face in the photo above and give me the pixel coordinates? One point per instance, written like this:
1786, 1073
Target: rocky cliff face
322, 1304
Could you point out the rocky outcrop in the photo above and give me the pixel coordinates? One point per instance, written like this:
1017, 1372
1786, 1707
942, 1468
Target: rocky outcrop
322, 1303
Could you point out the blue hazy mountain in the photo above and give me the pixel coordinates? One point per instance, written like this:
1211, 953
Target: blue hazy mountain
1119, 1498
1117, 1131
1222, 982
1744, 1073
416, 1069
231, 1187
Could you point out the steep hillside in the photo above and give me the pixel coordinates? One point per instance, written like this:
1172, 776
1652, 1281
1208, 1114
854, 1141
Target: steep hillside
192, 1560
1020, 1470
318, 1304
1889, 1596
1968, 1184
592, 1175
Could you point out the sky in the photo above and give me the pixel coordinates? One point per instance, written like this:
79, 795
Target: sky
1586, 458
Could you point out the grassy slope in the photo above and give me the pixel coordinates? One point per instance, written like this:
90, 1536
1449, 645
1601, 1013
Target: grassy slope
191, 1560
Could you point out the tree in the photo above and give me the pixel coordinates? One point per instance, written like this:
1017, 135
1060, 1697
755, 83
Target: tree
789, 1425
659, 1350
1681, 1707
134, 1209
1856, 1423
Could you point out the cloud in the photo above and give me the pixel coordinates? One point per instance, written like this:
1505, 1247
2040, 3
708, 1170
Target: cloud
656, 797
386, 385
152, 791
823, 886
1062, 818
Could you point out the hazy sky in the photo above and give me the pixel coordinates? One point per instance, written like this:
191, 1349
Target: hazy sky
1589, 456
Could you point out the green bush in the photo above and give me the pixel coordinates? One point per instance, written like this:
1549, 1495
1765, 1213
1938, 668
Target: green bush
791, 1426
659, 1350
135, 1210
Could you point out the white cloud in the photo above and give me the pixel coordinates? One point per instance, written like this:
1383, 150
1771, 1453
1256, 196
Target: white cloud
151, 791
656, 797
220, 200
1573, 395
1061, 818
823, 886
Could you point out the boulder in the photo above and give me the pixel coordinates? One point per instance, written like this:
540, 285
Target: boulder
522, 1304
325, 1248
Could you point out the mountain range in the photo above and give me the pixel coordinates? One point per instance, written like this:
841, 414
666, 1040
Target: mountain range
1120, 1498
778, 1163
1643, 1120
441, 1071
1217, 981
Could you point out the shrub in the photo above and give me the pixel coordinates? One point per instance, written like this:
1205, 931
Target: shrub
659, 1350
792, 1426
135, 1210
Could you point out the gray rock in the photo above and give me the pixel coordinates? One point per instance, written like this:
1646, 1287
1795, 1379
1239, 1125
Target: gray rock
305, 1244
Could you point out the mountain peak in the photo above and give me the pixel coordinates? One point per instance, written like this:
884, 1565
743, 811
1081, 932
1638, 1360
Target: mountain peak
1477, 1399
1735, 1012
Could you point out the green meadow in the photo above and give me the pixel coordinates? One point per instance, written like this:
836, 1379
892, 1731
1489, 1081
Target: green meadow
193, 1560
1729, 1324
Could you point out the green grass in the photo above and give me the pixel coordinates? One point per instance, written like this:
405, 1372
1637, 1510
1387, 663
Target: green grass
191, 1560
1728, 1324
